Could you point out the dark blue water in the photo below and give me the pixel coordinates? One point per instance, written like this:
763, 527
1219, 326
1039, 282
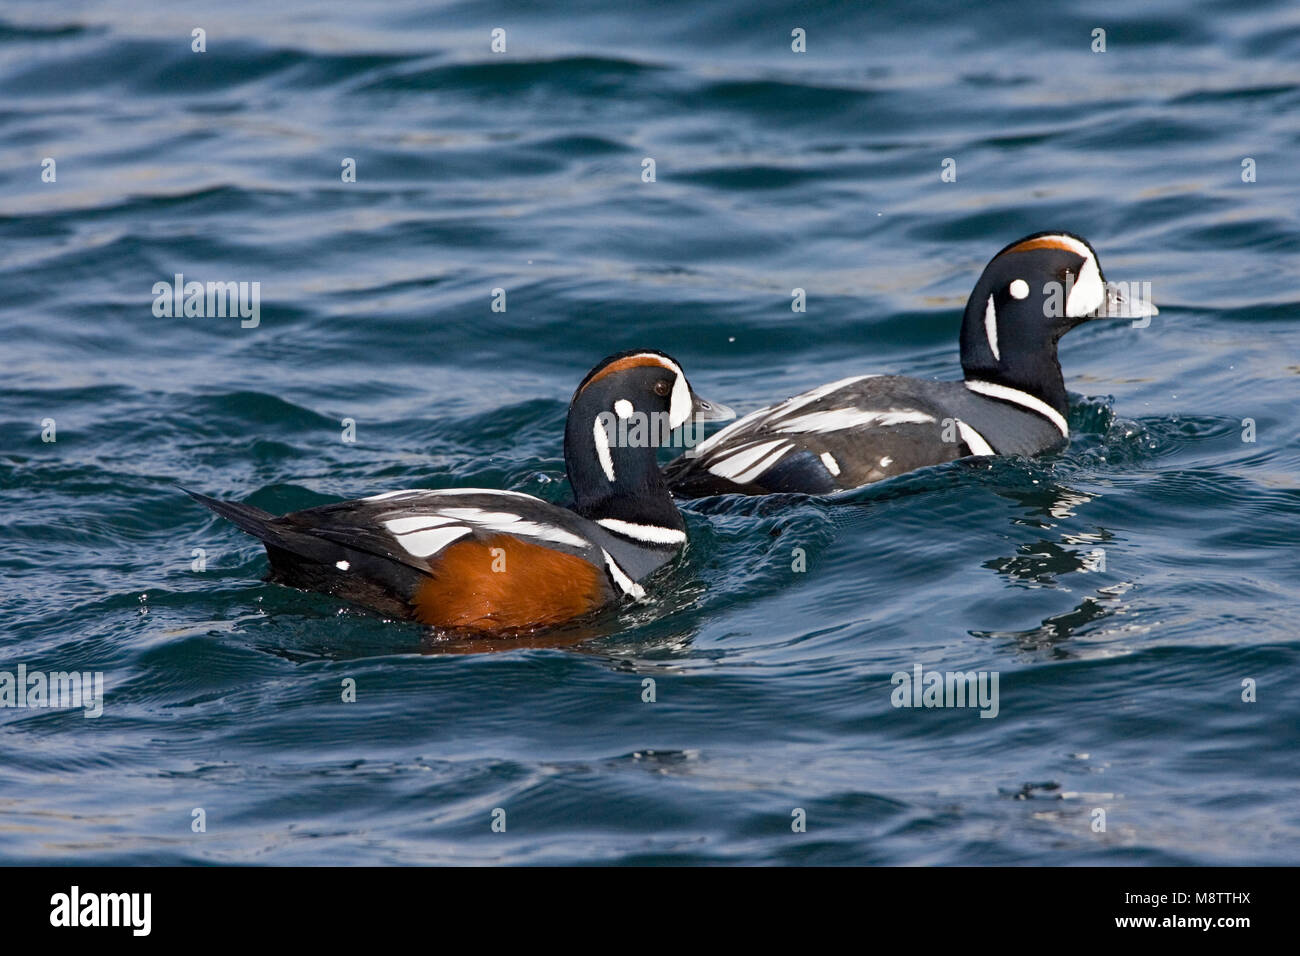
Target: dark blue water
1120, 684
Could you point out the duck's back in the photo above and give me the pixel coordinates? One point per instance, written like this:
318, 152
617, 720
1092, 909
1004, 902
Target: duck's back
855, 432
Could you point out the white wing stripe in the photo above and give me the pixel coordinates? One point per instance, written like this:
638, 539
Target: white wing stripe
812, 395
748, 476
477, 491
430, 540
426, 534
544, 532
478, 515
780, 410
413, 492
730, 431
736, 461
415, 523
395, 494
840, 419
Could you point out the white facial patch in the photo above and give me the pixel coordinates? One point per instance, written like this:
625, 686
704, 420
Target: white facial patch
679, 411
623, 408
991, 329
602, 448
1088, 292
1019, 289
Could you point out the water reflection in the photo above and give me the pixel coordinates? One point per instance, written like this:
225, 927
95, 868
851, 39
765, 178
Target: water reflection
1042, 562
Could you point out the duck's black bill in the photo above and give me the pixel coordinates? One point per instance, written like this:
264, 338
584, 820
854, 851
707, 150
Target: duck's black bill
1125, 300
705, 411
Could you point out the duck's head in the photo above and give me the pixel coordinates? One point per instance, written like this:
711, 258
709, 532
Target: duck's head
1029, 295
626, 408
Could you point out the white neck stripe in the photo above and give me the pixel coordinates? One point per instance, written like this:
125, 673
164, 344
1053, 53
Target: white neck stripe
991, 329
1088, 292
601, 437
626, 584
974, 440
643, 532
1023, 399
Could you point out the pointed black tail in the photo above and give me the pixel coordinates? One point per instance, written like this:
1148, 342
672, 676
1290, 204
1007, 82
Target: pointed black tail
312, 562
255, 521
277, 534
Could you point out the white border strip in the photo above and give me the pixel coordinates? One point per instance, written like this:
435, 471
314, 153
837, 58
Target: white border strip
1023, 399
643, 532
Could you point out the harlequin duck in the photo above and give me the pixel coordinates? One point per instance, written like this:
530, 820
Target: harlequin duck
482, 561
870, 427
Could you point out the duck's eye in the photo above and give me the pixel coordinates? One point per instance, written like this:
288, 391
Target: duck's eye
663, 387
